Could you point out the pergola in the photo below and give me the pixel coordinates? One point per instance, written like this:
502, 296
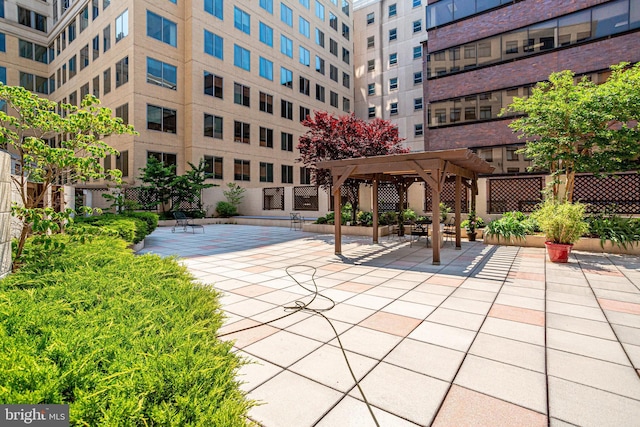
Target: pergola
432, 167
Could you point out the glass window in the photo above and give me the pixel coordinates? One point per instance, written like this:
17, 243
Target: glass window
106, 80
345, 7
25, 49
241, 20
417, 52
266, 69
371, 89
417, 77
392, 10
305, 56
304, 85
320, 10
417, 26
286, 141
346, 55
305, 3
73, 67
286, 14
610, 18
95, 45
214, 7
212, 126
333, 99
333, 47
84, 57
346, 105
319, 38
345, 31
123, 112
162, 29
370, 42
266, 34
287, 174
266, 172
106, 37
371, 112
393, 108
305, 176
346, 80
213, 85
393, 59
95, 10
122, 25
96, 86
161, 74
333, 72
417, 104
574, 28
371, 18
267, 5
266, 137
320, 93
393, 34
286, 77
304, 27
161, 119
213, 167
72, 31
241, 132
333, 21
84, 18
418, 129
304, 113
241, 170
241, 57
393, 83
319, 65
241, 94
266, 103
286, 46
439, 13
122, 71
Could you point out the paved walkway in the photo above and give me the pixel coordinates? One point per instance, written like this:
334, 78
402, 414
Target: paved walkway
494, 336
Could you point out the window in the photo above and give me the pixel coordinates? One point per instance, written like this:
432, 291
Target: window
3, 42
345, 7
27, 81
266, 34
73, 67
320, 10
213, 44
417, 104
106, 38
30, 19
333, 72
393, 83
214, 7
25, 49
72, 31
95, 45
393, 34
417, 52
213, 85
106, 78
333, 99
304, 113
345, 31
393, 108
161, 119
241, 132
241, 57
333, 21
266, 137
122, 71
371, 42
213, 167
417, 3
320, 93
417, 26
241, 170
167, 159
417, 77
393, 59
266, 68
286, 109
346, 105
287, 174
320, 65
162, 74
84, 18
512, 155
241, 95
96, 86
95, 10
122, 161
304, 85
371, 65
418, 129
305, 176
305, 56
372, 112
241, 20
105, 4
266, 172
84, 57
305, 3
319, 38
333, 47
346, 57
123, 112
286, 14
212, 126
266, 103
304, 27
286, 77
371, 89
64, 74
454, 115
267, 5
346, 80
286, 46
286, 141
371, 18
160, 28
122, 26
392, 10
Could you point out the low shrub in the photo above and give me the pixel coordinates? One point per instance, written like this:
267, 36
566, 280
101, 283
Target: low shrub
614, 228
512, 225
123, 339
128, 228
364, 218
388, 218
149, 217
226, 209
561, 222
321, 220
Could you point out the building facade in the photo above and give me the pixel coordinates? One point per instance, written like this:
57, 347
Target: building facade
388, 58
224, 81
482, 53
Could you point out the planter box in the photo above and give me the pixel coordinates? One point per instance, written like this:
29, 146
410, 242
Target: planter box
136, 247
353, 230
584, 244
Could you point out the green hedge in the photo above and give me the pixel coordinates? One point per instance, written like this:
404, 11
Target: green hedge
131, 227
123, 339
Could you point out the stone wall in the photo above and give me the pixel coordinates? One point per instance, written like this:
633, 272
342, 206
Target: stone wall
5, 213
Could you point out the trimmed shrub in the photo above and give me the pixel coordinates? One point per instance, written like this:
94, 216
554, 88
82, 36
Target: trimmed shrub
226, 209
149, 217
130, 229
123, 339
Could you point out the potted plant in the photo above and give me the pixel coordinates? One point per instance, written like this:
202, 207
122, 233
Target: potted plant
470, 226
444, 212
563, 224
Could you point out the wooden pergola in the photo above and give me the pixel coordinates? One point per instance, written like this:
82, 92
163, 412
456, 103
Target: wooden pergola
432, 167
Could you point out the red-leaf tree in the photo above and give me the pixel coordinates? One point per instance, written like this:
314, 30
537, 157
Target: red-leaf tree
344, 137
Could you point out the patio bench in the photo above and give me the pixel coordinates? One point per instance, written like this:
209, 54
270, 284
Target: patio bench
185, 222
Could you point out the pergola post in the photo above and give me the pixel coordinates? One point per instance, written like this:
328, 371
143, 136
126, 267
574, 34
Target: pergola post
337, 217
375, 209
458, 206
435, 221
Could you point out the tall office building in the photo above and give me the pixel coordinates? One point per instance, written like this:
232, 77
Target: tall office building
388, 57
227, 81
482, 53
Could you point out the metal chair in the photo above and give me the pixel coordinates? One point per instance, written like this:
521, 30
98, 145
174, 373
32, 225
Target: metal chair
184, 221
419, 230
296, 221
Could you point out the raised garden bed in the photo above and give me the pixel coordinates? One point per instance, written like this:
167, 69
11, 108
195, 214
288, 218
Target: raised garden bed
584, 244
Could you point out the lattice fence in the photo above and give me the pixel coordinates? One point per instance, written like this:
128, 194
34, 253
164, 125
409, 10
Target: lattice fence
448, 197
273, 198
388, 198
347, 194
520, 193
619, 192
305, 198
185, 205
143, 197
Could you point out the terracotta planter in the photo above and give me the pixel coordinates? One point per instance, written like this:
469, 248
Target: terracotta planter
558, 252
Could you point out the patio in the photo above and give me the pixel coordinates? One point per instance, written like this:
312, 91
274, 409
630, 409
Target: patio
493, 336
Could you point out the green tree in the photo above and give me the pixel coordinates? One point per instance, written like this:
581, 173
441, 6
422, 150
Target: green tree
159, 179
77, 158
573, 127
188, 187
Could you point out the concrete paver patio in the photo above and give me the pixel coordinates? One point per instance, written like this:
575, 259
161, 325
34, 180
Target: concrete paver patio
494, 336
